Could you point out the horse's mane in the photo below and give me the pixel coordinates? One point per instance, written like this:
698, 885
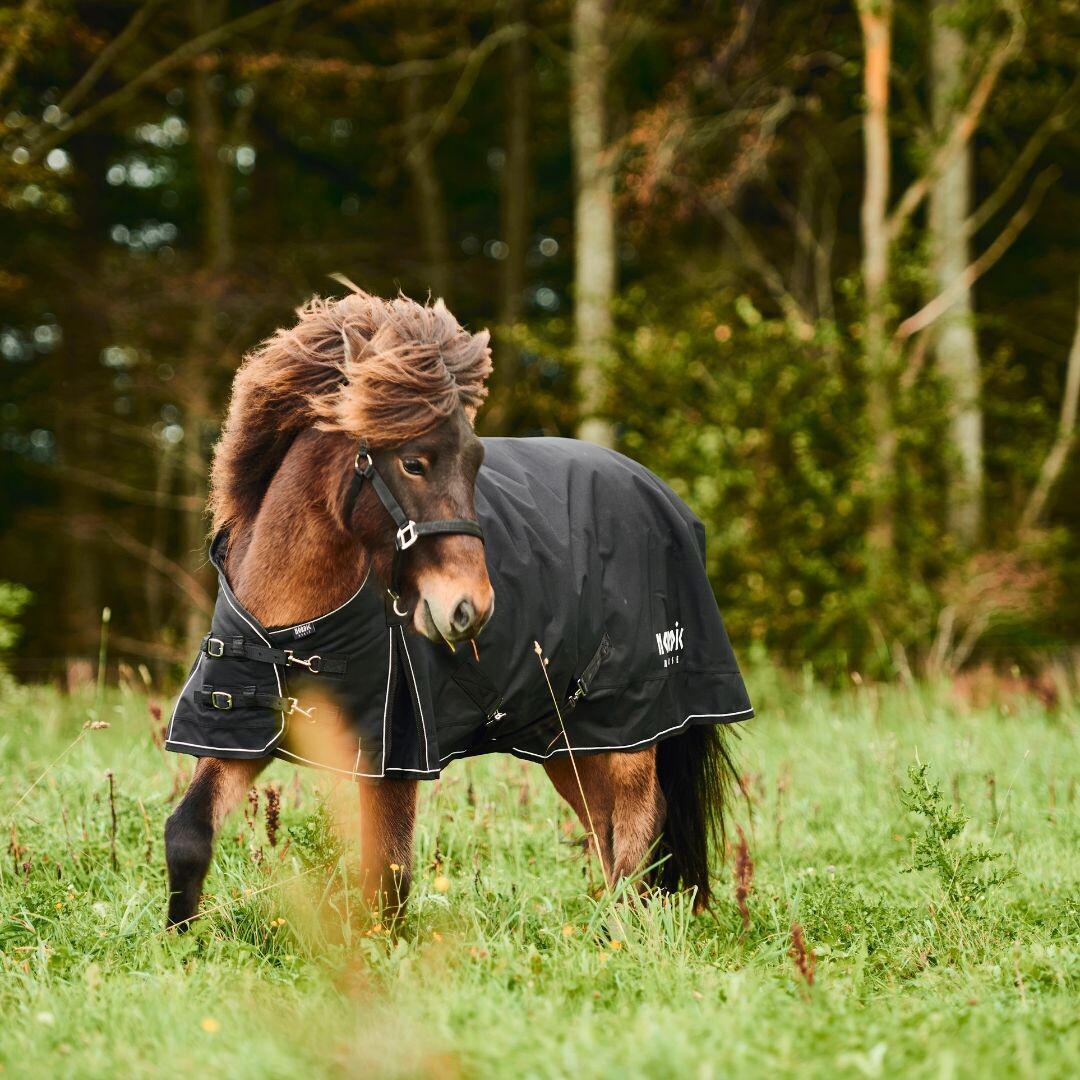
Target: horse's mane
387, 370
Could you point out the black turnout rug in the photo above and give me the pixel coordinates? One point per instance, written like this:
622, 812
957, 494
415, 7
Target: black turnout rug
590, 555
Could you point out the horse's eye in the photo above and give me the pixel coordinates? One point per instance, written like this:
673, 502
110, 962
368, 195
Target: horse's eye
413, 466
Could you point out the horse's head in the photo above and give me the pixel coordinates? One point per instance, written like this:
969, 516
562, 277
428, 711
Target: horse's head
413, 380
442, 578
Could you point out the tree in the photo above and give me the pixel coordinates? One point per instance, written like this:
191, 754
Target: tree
594, 215
955, 346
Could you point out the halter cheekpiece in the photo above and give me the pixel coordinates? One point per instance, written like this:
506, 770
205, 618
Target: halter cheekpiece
408, 531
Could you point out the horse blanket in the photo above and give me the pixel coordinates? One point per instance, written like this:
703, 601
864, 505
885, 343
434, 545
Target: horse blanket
590, 555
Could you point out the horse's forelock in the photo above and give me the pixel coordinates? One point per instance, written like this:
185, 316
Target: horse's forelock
407, 366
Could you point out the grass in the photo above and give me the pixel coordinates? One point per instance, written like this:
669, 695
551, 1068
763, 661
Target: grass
508, 966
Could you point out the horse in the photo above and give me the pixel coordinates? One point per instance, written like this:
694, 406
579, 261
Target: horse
349, 451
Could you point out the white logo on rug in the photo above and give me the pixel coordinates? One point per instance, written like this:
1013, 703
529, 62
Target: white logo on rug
303, 630
669, 644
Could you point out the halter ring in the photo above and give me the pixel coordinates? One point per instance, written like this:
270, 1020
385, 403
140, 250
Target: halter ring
407, 536
399, 614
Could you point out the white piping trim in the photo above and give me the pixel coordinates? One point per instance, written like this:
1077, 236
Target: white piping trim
630, 746
355, 773
319, 618
416, 694
386, 701
179, 697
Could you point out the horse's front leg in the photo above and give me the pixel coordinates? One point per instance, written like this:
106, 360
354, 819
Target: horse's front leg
387, 821
217, 787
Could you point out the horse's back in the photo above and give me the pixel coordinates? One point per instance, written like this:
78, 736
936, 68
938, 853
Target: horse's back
595, 557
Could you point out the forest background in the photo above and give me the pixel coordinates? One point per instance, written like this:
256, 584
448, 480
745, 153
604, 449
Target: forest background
816, 264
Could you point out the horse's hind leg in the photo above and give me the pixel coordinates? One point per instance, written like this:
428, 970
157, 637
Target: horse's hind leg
595, 811
218, 787
622, 801
639, 810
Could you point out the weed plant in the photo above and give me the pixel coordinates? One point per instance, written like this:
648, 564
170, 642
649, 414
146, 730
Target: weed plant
868, 923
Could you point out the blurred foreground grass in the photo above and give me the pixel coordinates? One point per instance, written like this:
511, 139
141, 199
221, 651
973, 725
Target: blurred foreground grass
507, 966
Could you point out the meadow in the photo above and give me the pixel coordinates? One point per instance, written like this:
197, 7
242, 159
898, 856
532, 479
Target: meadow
510, 963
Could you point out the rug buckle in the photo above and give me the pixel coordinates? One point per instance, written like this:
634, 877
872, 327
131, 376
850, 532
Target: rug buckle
215, 647
312, 663
221, 700
296, 707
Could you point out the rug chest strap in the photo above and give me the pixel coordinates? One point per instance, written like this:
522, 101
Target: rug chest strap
239, 648
227, 698
241, 697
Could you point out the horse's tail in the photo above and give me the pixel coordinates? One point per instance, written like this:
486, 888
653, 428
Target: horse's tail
696, 775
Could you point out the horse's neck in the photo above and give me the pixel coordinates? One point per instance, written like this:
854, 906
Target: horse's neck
294, 563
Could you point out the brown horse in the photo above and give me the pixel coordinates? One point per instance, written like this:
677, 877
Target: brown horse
409, 379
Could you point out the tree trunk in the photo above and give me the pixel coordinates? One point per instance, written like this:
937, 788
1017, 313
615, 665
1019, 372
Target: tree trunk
594, 216
876, 22
427, 189
517, 72
215, 213
955, 346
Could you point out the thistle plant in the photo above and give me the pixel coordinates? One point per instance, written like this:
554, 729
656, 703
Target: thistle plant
961, 869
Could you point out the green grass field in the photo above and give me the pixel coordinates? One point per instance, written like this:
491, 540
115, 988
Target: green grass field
508, 965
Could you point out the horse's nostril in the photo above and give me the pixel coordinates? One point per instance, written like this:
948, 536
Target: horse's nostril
463, 616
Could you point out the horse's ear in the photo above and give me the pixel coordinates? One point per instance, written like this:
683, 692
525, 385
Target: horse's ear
347, 346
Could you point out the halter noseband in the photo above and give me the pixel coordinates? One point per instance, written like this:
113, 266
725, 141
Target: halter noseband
408, 531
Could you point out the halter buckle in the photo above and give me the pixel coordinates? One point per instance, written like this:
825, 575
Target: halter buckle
221, 700
407, 536
215, 647
363, 454
312, 663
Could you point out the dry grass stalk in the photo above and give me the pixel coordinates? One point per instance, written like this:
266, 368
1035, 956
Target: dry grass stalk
744, 878
273, 813
805, 960
112, 813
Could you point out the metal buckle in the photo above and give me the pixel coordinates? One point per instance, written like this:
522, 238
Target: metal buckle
215, 647
221, 699
296, 707
366, 468
407, 536
312, 663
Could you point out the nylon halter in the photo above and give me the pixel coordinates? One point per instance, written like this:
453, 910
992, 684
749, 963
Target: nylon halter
408, 531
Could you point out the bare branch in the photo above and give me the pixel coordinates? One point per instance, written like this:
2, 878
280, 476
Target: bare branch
1066, 436
944, 300
138, 433
961, 129
19, 40
735, 44
152, 650
1058, 120
189, 585
129, 493
466, 80
751, 255
192, 48
106, 56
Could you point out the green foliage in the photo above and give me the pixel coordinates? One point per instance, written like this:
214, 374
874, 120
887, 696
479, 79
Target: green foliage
13, 600
962, 870
513, 969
